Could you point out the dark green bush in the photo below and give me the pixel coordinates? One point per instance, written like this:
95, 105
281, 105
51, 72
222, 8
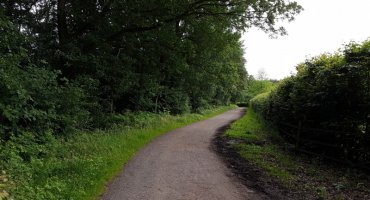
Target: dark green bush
176, 102
32, 97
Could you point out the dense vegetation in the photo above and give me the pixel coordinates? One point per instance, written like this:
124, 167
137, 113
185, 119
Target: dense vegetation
325, 107
67, 65
255, 87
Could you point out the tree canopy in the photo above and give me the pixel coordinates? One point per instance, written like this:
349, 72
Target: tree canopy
60, 57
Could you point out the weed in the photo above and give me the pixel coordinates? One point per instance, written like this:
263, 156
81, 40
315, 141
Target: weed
322, 193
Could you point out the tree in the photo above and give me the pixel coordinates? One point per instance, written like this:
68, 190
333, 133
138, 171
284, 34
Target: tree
262, 74
146, 55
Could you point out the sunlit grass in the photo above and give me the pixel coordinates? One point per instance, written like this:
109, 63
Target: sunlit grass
257, 148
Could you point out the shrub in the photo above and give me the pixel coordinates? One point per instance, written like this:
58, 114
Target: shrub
260, 103
176, 102
33, 98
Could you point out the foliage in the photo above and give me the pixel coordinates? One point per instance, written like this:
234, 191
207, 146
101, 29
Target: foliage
329, 94
255, 87
67, 65
32, 99
88, 59
4, 184
148, 55
259, 103
78, 168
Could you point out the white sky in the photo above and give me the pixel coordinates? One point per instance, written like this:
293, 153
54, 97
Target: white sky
323, 26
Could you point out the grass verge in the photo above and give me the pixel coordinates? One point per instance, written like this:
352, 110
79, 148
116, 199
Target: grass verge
304, 177
80, 166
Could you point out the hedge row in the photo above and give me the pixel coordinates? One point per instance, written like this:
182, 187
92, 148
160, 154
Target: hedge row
328, 100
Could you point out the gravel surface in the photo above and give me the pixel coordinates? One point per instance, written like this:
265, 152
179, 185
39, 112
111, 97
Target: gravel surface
181, 165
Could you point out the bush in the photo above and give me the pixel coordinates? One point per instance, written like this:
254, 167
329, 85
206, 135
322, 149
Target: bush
176, 102
260, 103
33, 98
256, 87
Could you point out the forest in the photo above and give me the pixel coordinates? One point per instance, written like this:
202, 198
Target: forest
69, 64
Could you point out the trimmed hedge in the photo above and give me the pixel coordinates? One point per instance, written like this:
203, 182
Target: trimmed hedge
260, 103
329, 94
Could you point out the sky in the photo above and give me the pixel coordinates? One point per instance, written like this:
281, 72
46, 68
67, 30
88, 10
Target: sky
323, 26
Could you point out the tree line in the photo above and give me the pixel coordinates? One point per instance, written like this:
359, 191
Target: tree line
68, 64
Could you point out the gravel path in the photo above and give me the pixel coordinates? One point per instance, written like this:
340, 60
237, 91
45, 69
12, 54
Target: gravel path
181, 165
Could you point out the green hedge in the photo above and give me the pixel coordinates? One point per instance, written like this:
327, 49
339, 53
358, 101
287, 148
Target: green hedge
329, 93
260, 103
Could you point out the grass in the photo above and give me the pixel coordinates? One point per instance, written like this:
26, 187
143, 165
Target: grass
256, 146
307, 176
79, 168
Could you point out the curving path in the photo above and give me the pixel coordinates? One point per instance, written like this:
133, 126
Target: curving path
181, 165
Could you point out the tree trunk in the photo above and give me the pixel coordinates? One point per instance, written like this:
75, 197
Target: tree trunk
62, 22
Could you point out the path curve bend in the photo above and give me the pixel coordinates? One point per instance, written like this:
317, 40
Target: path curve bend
181, 165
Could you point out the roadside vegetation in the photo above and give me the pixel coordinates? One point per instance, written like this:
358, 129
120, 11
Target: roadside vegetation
71, 68
254, 87
78, 167
299, 176
325, 108
310, 132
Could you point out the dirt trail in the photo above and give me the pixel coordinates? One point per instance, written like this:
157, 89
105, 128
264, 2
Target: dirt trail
181, 165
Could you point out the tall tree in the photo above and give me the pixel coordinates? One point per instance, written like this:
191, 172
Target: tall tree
147, 55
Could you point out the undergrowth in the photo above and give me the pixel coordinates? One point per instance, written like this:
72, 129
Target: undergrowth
79, 166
